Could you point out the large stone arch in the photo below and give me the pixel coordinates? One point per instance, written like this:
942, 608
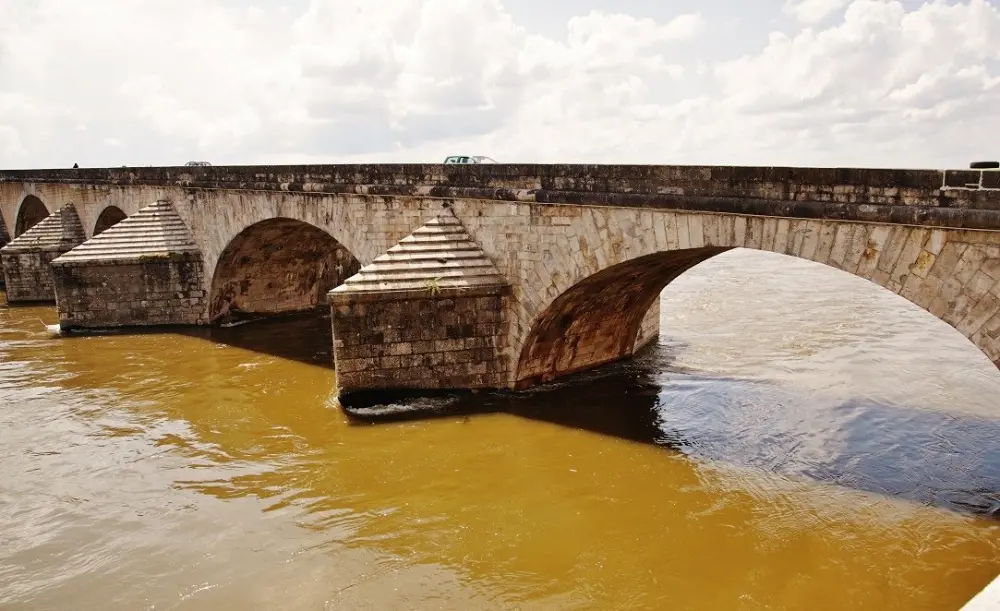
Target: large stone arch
366, 225
589, 304
108, 218
277, 266
30, 212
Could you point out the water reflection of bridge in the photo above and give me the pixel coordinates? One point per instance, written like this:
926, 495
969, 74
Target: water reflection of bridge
924, 456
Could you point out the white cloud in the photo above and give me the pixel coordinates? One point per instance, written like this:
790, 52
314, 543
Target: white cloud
921, 83
810, 12
10, 142
884, 84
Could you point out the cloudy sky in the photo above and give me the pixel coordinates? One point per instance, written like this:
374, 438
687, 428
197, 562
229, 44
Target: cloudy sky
882, 83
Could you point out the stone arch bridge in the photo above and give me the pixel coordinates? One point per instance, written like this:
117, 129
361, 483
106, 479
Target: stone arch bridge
498, 276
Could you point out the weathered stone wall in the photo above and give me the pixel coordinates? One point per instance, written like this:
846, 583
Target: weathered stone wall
944, 188
28, 275
957, 197
26, 260
415, 340
649, 327
157, 291
4, 239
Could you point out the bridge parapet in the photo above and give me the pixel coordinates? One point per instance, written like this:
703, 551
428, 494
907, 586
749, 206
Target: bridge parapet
979, 189
961, 199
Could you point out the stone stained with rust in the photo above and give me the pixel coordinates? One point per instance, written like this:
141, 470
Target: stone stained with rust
27, 259
146, 270
428, 314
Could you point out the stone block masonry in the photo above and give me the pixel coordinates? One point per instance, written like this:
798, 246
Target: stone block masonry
28, 276
144, 271
27, 259
412, 340
164, 290
428, 314
4, 239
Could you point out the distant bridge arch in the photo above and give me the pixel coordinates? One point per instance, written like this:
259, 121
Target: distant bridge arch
29, 213
109, 217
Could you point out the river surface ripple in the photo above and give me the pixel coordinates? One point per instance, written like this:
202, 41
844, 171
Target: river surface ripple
798, 439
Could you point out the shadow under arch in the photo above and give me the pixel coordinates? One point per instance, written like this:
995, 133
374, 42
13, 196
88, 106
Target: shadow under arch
109, 217
4, 232
277, 266
596, 320
31, 212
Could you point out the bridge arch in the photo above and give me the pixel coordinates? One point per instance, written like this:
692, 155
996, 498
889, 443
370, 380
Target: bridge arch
591, 308
109, 217
30, 212
277, 266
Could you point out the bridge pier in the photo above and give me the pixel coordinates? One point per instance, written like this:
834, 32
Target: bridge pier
428, 314
4, 233
145, 270
4, 239
27, 259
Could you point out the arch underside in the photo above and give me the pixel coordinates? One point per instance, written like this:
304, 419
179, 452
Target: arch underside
31, 212
597, 320
109, 217
278, 266
953, 274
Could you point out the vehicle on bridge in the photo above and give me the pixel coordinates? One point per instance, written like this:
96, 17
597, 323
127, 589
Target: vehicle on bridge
468, 159
197, 163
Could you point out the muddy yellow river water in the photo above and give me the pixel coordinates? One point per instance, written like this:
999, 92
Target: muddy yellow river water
798, 439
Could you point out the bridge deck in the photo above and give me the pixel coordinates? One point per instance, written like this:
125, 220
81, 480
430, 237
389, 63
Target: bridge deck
967, 199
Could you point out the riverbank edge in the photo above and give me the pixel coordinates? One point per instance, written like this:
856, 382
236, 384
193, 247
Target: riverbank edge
988, 599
